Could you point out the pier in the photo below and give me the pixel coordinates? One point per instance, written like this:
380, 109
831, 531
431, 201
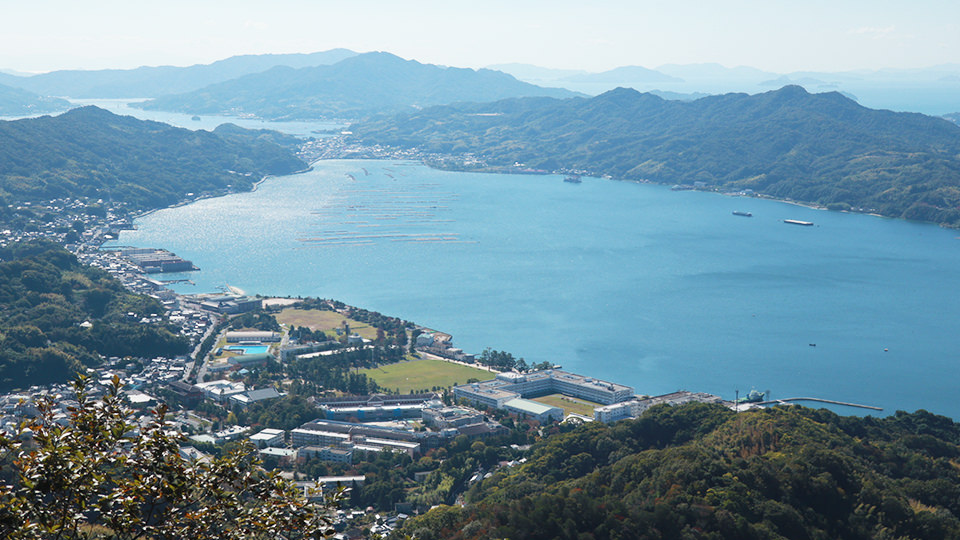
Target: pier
819, 400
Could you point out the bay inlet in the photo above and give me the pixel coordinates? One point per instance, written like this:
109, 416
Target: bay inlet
657, 289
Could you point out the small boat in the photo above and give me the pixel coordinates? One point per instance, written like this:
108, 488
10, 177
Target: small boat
742, 213
196, 118
573, 179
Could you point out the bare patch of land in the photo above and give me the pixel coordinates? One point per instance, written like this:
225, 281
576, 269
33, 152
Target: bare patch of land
327, 321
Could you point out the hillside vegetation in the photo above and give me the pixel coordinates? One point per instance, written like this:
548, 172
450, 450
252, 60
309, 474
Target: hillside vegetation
19, 102
89, 152
355, 87
702, 471
817, 148
45, 296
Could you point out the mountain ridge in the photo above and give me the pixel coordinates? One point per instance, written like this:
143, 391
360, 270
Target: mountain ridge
361, 85
823, 149
149, 81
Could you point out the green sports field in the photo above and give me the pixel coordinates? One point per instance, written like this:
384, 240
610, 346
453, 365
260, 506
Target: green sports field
424, 375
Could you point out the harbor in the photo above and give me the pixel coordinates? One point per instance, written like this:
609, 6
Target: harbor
787, 401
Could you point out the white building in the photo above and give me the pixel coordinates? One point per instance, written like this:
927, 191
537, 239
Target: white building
268, 437
507, 386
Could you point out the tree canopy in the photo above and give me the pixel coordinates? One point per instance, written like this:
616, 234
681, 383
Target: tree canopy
702, 471
46, 296
103, 476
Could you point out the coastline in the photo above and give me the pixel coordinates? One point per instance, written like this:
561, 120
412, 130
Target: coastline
184, 202
709, 189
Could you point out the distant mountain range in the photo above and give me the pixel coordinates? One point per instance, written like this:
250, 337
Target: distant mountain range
817, 148
89, 152
161, 80
365, 84
625, 73
713, 73
933, 90
20, 102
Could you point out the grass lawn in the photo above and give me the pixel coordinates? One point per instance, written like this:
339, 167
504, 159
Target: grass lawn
318, 319
424, 375
569, 404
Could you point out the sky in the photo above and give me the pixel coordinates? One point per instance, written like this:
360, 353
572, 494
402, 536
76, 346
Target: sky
773, 35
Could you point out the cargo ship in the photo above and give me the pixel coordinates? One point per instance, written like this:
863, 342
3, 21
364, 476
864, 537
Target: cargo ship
798, 222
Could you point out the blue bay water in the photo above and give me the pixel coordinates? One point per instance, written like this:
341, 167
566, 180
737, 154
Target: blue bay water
657, 289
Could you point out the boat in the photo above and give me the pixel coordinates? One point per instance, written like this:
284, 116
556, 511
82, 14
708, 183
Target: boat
742, 213
798, 222
573, 179
196, 118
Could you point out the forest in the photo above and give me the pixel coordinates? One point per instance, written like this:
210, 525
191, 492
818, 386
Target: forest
90, 153
823, 149
45, 297
703, 471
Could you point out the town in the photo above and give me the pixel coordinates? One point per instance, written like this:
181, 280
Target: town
315, 385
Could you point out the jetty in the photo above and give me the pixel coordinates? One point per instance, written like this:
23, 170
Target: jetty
785, 401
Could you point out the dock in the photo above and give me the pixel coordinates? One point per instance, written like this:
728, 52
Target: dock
784, 401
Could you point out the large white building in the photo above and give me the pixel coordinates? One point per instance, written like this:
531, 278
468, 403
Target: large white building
635, 407
508, 386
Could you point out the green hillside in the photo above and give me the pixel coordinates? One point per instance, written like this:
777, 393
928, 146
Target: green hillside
702, 471
89, 152
817, 148
19, 102
45, 296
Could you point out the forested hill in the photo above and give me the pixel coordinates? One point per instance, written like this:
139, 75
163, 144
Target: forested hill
817, 148
45, 297
703, 471
90, 152
354, 87
19, 102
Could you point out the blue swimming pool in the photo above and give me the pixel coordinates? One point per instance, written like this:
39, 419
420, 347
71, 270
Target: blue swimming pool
248, 349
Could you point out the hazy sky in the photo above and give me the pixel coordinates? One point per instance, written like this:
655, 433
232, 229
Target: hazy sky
775, 35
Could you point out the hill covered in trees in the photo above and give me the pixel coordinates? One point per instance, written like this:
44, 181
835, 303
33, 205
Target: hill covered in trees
90, 152
19, 102
703, 471
45, 297
355, 87
817, 148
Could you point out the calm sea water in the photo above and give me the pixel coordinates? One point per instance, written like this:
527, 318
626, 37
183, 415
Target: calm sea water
657, 289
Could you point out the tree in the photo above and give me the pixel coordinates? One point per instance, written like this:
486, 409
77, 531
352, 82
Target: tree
101, 476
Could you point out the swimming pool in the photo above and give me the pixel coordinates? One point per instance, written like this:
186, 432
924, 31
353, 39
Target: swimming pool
248, 349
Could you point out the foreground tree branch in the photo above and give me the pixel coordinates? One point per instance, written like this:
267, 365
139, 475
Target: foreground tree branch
101, 476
